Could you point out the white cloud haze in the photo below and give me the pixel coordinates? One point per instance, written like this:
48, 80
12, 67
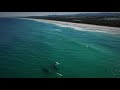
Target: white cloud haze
12, 14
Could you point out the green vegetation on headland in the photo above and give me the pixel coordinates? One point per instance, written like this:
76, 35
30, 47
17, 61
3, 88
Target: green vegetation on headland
104, 19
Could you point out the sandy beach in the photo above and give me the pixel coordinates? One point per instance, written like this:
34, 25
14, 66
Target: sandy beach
80, 26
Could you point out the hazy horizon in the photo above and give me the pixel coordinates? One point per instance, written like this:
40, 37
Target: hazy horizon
19, 14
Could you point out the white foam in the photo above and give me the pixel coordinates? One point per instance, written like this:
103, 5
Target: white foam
59, 74
90, 28
82, 27
57, 63
58, 30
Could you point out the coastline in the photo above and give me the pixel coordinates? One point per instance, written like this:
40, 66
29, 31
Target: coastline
80, 26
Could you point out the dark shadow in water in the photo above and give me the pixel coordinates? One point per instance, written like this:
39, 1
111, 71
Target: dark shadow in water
46, 70
53, 68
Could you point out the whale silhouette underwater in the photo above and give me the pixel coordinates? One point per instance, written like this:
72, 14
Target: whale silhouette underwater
54, 68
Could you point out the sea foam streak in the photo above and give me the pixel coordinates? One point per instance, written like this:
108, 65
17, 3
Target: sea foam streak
80, 27
59, 74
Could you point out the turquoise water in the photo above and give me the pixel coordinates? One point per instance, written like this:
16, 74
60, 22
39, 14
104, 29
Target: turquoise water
27, 47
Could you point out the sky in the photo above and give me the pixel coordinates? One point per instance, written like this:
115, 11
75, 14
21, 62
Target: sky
12, 14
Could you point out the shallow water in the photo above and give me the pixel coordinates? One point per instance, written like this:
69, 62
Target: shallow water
26, 47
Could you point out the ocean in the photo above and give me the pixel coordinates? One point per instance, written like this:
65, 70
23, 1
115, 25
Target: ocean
30, 49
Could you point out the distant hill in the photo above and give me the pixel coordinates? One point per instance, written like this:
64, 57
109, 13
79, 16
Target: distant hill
104, 18
97, 14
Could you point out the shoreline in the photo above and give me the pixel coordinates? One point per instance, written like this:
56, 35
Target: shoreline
81, 26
